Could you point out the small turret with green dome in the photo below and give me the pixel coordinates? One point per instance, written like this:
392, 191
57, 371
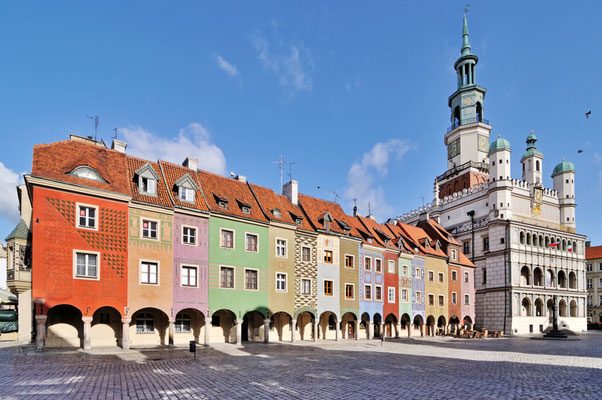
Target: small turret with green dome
532, 161
564, 166
498, 144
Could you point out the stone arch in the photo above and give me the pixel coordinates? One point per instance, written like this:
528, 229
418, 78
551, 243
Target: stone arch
390, 328
562, 282
572, 280
454, 324
223, 326
377, 321
327, 325
106, 328
550, 280
525, 310
65, 327
430, 325
149, 326
252, 327
539, 307
528, 238
349, 325
574, 309
305, 325
537, 277
282, 323
525, 276
522, 237
562, 308
189, 324
441, 324
467, 322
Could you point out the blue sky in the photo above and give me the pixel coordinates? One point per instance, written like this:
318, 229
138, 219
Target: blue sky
355, 94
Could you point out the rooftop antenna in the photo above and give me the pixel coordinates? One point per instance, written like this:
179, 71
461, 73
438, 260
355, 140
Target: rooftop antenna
280, 165
115, 131
354, 207
96, 119
369, 212
290, 170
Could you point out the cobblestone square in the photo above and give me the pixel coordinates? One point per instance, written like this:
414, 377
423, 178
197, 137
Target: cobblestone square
434, 368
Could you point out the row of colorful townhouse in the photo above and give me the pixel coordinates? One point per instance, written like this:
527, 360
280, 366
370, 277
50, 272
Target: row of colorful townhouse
127, 251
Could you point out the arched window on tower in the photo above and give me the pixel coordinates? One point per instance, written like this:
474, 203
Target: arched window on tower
479, 112
456, 119
537, 165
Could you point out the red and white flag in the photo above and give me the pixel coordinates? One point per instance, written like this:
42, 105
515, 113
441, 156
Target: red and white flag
554, 244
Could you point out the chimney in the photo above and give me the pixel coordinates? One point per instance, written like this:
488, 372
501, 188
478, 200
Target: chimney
241, 178
587, 244
291, 190
119, 145
191, 163
372, 217
424, 216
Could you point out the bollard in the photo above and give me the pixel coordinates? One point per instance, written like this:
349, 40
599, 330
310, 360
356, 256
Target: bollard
192, 349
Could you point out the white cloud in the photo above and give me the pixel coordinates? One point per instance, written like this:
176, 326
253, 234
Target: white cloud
9, 202
226, 66
597, 159
291, 63
194, 141
364, 176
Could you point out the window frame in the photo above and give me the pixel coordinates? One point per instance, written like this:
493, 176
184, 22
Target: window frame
184, 189
466, 277
404, 270
368, 286
368, 265
151, 220
196, 277
431, 275
143, 191
195, 229
285, 290
256, 279
147, 261
454, 275
389, 263
303, 280
389, 289
247, 234
143, 316
352, 261
466, 297
441, 277
407, 295
222, 267
285, 255
221, 230
309, 253
352, 286
331, 256
378, 264
441, 300
454, 298
376, 297
418, 296
182, 314
96, 218
86, 277
331, 287
429, 297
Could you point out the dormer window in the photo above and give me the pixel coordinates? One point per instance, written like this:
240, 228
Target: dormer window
222, 202
186, 194
86, 172
147, 180
276, 213
186, 187
370, 240
244, 207
327, 225
387, 242
298, 221
246, 210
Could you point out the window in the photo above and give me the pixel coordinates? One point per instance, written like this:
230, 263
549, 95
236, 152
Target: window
466, 247
349, 261
246, 209
145, 323
251, 242
454, 275
349, 295
86, 173
431, 276
418, 273
280, 248
149, 273
589, 301
454, 255
250, 279
182, 324
305, 286
466, 277
441, 277
431, 299
328, 288
454, 298
418, 297
378, 265
86, 265
484, 276
87, 217
589, 267
466, 299
486, 243
404, 270
391, 266
280, 282
367, 263
276, 213
186, 194
378, 293
224, 206
588, 284
227, 239
441, 300
189, 276
149, 229
305, 254
148, 185
391, 293
367, 292
600, 283
226, 277
404, 295
188, 235
328, 256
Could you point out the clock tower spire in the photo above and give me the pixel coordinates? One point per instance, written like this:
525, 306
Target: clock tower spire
467, 139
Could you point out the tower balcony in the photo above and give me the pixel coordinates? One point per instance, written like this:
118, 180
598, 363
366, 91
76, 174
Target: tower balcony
468, 122
18, 279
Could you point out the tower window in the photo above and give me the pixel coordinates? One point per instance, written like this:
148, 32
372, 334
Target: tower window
537, 166
479, 110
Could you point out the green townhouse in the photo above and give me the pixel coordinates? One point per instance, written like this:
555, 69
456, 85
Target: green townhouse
238, 260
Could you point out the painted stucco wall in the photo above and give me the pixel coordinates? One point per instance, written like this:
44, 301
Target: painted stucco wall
391, 280
418, 274
238, 300
307, 270
327, 271
281, 301
436, 288
370, 277
454, 286
405, 282
159, 296
349, 276
468, 288
193, 255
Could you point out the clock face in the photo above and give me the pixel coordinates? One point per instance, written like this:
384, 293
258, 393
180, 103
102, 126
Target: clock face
483, 143
467, 101
453, 149
537, 195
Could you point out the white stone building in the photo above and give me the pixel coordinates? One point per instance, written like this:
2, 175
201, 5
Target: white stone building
520, 235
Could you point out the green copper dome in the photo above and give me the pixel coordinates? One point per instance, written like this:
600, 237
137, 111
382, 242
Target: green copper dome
564, 166
531, 137
498, 144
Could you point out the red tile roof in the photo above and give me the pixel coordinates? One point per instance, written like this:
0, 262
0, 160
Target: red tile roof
398, 233
172, 173
162, 197
379, 232
419, 236
316, 209
236, 192
593, 252
295, 212
55, 160
269, 201
438, 232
